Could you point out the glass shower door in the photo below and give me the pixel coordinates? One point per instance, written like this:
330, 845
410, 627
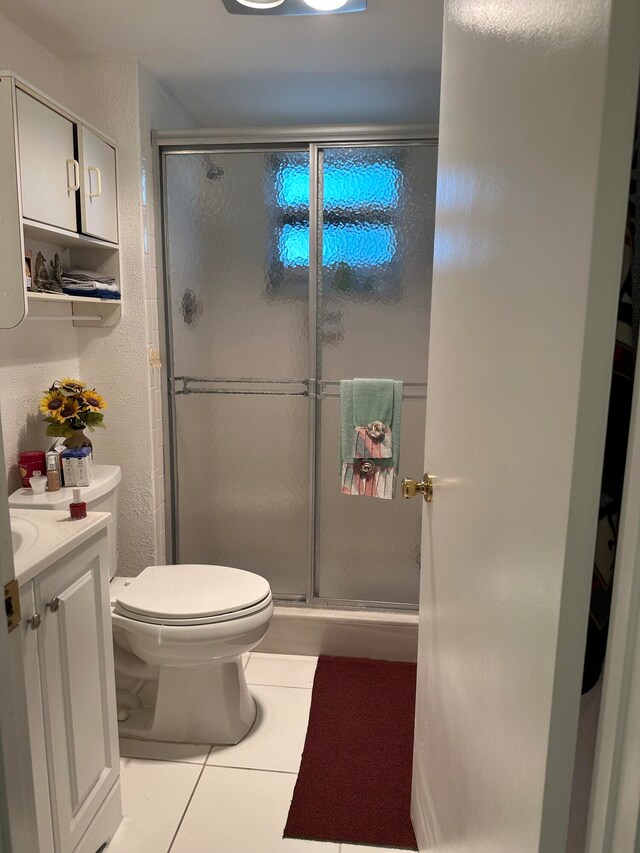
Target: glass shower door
378, 206
238, 320
258, 244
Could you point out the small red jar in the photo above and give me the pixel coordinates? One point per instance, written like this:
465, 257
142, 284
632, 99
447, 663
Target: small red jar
32, 462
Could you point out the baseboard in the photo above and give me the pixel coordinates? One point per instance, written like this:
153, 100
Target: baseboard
345, 633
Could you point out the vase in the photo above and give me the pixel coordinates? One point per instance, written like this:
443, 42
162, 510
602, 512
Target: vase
79, 439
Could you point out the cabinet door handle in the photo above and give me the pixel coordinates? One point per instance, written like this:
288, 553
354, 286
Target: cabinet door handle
35, 621
54, 604
99, 177
71, 188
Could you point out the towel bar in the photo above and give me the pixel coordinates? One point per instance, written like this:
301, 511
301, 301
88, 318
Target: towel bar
326, 387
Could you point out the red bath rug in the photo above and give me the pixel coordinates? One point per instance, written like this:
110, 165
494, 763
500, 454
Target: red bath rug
354, 784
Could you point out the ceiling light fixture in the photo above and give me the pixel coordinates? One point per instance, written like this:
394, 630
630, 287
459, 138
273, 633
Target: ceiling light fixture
282, 8
326, 5
261, 4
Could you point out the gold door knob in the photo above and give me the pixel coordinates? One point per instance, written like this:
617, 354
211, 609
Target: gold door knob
411, 488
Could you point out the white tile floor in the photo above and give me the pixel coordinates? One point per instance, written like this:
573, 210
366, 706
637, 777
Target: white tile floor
191, 799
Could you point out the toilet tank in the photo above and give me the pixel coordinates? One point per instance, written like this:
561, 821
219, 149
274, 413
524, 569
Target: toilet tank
100, 496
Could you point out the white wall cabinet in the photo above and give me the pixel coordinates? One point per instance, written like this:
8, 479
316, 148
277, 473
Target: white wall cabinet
49, 171
58, 195
71, 701
98, 197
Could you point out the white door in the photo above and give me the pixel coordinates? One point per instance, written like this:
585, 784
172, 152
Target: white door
49, 174
98, 194
78, 688
537, 111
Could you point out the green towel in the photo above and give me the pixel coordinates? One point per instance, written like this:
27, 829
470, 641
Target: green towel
366, 400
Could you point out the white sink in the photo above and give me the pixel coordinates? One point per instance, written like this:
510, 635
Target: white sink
40, 537
24, 534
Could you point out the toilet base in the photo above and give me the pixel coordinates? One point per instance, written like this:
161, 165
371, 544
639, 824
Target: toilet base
196, 704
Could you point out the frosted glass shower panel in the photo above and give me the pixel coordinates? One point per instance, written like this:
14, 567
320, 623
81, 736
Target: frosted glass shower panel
374, 304
237, 309
254, 397
377, 234
368, 549
241, 464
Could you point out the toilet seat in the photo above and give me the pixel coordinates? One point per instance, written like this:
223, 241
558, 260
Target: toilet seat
182, 595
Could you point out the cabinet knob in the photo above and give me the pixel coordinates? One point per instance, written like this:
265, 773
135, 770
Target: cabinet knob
35, 621
54, 604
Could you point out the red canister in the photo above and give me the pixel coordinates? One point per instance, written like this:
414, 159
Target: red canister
32, 462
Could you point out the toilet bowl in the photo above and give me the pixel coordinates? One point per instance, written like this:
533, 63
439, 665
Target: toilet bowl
180, 633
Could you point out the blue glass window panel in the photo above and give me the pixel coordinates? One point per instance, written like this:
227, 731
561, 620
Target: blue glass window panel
372, 186
358, 244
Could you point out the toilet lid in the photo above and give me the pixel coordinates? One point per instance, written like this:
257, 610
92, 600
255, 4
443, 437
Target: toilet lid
171, 593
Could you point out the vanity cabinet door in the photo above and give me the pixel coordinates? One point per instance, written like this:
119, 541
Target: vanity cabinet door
78, 686
36, 720
49, 173
98, 199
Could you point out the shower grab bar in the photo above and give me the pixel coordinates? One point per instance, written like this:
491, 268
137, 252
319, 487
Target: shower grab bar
188, 380
326, 387
231, 380
247, 393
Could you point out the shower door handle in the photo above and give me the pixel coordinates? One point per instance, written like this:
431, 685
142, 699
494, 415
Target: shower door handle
412, 488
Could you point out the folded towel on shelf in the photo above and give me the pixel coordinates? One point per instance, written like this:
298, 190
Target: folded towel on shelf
87, 276
93, 292
88, 283
370, 417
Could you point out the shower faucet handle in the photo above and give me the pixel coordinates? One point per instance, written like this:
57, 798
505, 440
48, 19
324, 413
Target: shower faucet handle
412, 488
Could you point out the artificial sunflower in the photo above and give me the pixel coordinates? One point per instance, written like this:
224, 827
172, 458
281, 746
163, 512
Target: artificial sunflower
51, 404
69, 405
71, 386
69, 409
94, 401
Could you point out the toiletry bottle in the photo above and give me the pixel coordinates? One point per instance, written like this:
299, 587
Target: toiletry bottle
31, 462
78, 508
53, 470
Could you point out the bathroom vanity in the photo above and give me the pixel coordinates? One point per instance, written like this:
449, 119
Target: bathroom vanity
62, 569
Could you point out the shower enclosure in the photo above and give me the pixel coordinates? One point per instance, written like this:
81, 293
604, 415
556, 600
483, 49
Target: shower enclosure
289, 268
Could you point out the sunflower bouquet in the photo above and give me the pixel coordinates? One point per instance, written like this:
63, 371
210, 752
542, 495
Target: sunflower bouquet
69, 405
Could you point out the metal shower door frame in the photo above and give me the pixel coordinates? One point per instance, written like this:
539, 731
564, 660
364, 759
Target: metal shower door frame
314, 141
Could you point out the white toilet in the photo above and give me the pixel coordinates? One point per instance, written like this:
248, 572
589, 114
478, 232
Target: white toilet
179, 636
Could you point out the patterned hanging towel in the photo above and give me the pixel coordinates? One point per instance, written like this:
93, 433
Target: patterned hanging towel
370, 414
373, 442
365, 478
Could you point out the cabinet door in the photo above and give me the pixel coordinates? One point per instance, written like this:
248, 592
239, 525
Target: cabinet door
36, 722
48, 170
98, 194
78, 685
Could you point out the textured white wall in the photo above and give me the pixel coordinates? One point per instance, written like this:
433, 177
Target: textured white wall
158, 109
105, 93
24, 56
125, 101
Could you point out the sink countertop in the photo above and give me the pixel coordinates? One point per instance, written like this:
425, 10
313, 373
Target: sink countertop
57, 536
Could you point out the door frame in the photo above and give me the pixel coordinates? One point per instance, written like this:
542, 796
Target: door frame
312, 140
614, 811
